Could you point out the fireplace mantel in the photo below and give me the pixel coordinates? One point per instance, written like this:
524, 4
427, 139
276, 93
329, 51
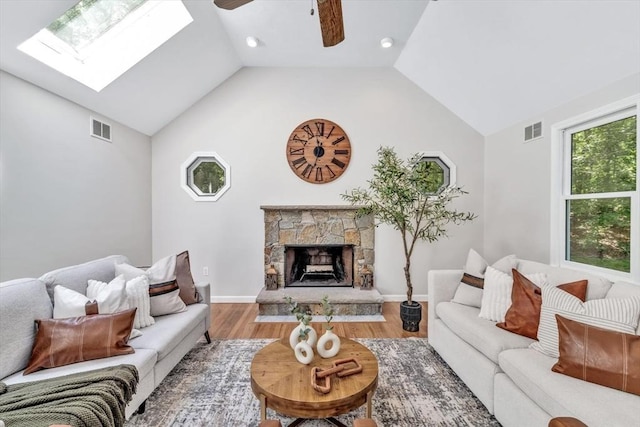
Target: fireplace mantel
293, 225
309, 207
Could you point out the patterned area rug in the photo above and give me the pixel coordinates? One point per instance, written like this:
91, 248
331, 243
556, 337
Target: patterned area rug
211, 387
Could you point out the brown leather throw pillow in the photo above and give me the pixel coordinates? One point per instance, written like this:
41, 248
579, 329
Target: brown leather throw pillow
62, 342
188, 292
598, 355
523, 316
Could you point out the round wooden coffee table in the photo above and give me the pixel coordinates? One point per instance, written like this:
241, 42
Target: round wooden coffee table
284, 384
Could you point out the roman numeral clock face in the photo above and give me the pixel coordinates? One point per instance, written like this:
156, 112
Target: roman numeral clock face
318, 151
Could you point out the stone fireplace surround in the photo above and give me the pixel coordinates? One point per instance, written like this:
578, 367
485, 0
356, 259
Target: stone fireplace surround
304, 225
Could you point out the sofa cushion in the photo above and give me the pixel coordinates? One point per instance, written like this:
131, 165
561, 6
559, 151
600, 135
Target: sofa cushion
479, 333
163, 287
597, 355
560, 395
61, 342
144, 360
169, 331
22, 301
618, 314
188, 291
596, 289
76, 277
469, 291
621, 289
523, 316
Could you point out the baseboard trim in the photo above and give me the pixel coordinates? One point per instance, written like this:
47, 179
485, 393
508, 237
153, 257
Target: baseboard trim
400, 298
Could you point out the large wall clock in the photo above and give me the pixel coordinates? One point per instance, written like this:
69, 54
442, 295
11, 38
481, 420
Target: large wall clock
318, 151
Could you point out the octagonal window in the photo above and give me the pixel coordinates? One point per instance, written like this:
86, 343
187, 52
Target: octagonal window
205, 176
439, 170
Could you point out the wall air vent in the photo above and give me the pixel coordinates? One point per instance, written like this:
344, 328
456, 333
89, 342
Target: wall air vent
533, 131
99, 129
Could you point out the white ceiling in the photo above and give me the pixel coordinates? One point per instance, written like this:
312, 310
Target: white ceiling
491, 62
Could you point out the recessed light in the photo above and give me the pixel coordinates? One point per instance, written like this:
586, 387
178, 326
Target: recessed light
252, 41
386, 42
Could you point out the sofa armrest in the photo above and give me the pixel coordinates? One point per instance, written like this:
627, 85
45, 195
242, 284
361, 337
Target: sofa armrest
204, 289
442, 285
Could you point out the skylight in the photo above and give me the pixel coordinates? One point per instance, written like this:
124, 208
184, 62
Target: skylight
96, 41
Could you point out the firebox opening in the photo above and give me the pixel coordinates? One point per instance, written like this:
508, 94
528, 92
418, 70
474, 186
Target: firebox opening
319, 265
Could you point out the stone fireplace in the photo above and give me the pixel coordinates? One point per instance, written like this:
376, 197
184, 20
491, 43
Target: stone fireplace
318, 246
318, 251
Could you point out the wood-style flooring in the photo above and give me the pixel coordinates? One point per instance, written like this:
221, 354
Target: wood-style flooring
237, 321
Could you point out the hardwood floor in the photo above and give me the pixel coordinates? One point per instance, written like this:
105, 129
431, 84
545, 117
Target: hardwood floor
237, 321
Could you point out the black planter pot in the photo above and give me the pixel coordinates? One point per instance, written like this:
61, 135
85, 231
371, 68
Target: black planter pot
411, 314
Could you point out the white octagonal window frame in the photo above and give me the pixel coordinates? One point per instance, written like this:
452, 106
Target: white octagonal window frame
445, 163
192, 163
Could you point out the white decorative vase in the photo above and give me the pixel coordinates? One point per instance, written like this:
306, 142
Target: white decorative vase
294, 338
303, 352
331, 339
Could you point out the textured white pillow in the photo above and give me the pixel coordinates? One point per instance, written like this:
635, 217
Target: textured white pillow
496, 297
138, 296
111, 297
616, 314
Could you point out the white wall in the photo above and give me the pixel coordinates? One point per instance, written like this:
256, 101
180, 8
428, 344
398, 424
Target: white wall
67, 197
518, 178
247, 121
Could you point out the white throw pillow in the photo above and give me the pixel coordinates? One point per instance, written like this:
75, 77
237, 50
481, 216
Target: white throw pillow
138, 294
616, 314
111, 298
68, 303
496, 296
470, 289
163, 289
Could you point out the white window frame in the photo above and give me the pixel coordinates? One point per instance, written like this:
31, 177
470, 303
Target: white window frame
561, 187
186, 176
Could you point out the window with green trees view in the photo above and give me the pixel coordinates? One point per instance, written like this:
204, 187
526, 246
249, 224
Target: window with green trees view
600, 194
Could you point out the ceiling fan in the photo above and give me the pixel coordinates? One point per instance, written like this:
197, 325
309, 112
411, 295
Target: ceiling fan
329, 11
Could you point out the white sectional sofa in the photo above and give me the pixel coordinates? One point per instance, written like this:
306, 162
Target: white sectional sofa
161, 346
513, 381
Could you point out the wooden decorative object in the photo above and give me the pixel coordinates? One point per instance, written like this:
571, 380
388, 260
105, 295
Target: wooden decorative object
366, 278
326, 372
322, 388
271, 279
318, 151
348, 371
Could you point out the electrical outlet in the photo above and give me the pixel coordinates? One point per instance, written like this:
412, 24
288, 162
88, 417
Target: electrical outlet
205, 271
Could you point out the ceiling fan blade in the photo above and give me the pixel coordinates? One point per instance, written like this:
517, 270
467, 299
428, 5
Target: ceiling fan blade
331, 25
230, 4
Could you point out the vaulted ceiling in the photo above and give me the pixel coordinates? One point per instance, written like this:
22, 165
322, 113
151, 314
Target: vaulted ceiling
492, 62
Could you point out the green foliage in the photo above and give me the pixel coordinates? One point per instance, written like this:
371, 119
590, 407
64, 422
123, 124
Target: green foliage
400, 194
304, 317
208, 177
327, 310
603, 160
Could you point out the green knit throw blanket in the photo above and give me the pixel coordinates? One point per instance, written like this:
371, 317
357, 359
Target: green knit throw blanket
85, 399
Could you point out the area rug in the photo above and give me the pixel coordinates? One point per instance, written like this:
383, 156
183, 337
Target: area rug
211, 387
318, 319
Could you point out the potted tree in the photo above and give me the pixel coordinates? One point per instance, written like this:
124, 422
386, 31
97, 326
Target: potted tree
406, 196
